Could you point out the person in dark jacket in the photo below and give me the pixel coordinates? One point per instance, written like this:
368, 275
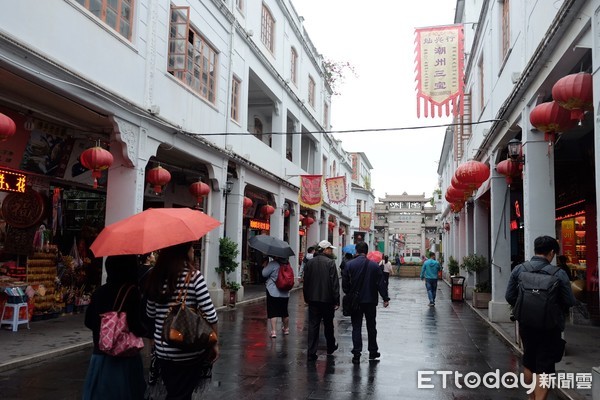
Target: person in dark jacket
322, 293
540, 346
110, 377
367, 273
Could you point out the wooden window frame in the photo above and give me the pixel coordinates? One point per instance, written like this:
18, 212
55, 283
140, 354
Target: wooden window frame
294, 66
104, 15
196, 61
267, 28
311, 91
236, 85
505, 27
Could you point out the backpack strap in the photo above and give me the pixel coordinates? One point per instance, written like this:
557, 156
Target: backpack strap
528, 267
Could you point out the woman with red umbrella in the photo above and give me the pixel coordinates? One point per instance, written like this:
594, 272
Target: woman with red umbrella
182, 371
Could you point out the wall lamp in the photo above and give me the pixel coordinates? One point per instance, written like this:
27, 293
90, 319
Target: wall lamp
227, 188
515, 151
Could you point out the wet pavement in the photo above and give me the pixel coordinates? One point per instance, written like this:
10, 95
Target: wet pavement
412, 337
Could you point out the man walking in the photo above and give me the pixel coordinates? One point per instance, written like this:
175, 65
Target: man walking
365, 277
429, 272
322, 293
542, 348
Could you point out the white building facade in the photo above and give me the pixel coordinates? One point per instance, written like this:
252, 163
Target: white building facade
231, 93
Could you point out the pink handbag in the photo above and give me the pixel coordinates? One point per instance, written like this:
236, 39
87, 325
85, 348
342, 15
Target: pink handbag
115, 338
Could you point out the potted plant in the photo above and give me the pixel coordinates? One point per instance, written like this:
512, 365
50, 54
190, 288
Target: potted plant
474, 263
232, 289
453, 268
228, 252
482, 294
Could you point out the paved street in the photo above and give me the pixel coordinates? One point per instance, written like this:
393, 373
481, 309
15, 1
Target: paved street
412, 337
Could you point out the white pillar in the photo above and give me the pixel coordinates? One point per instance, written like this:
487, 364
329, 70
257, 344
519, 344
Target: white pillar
481, 227
498, 310
538, 187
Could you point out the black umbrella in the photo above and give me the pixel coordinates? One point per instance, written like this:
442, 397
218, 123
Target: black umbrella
271, 246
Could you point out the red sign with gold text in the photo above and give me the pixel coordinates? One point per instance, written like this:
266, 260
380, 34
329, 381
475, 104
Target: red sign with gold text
567, 229
311, 190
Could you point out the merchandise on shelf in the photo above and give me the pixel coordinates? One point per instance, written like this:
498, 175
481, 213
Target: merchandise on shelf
41, 275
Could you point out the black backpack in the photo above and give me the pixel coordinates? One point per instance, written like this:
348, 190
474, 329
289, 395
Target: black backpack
537, 303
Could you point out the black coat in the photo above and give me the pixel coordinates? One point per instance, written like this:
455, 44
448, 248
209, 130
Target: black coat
321, 280
373, 282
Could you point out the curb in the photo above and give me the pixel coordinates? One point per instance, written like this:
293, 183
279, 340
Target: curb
35, 358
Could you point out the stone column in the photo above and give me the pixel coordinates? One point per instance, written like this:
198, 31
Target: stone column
538, 186
481, 228
498, 310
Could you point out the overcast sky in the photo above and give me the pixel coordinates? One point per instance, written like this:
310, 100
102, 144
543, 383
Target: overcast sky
377, 38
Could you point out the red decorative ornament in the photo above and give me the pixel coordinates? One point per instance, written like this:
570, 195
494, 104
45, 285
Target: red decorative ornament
472, 173
301, 217
341, 231
331, 225
267, 210
7, 127
459, 185
456, 207
286, 213
510, 169
455, 194
550, 118
199, 190
247, 203
158, 177
308, 221
447, 226
96, 159
575, 93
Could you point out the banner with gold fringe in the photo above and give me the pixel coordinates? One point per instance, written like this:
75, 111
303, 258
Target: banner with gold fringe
311, 191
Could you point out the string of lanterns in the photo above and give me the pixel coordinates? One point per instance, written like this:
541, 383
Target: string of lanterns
468, 177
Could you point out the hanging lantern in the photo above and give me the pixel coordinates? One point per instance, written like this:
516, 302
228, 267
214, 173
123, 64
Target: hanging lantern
308, 221
199, 190
472, 173
96, 159
457, 184
331, 225
341, 231
575, 93
550, 118
301, 217
247, 203
456, 194
7, 127
456, 207
158, 177
447, 226
510, 169
267, 210
286, 213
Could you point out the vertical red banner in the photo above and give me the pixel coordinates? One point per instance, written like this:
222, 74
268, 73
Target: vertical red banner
311, 190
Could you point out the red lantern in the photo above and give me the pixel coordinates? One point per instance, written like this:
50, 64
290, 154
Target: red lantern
247, 203
158, 177
455, 194
459, 185
341, 231
286, 213
7, 127
331, 225
97, 159
550, 118
510, 169
472, 173
267, 210
575, 93
308, 221
447, 226
301, 217
456, 207
199, 190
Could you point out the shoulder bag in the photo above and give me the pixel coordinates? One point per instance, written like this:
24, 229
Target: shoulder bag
185, 328
115, 338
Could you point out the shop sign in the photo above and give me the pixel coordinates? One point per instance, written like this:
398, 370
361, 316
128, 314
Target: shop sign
12, 181
258, 224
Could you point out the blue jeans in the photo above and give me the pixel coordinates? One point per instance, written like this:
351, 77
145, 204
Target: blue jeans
431, 285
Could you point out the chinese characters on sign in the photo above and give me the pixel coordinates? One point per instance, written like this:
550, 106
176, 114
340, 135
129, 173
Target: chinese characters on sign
336, 189
12, 181
365, 221
262, 225
311, 192
439, 69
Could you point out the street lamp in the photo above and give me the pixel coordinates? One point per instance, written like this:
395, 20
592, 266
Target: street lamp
515, 150
226, 191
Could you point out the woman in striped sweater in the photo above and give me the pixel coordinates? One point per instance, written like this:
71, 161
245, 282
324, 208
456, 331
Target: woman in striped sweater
181, 371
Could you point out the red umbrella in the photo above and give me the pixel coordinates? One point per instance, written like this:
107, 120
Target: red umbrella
375, 256
152, 229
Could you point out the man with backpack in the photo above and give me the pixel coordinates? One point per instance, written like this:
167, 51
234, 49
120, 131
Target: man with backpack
540, 294
322, 293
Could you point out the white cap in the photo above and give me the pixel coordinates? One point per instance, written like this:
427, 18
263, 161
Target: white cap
324, 244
